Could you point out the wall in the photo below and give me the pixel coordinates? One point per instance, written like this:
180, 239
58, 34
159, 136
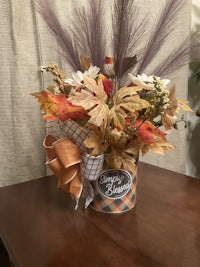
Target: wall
193, 140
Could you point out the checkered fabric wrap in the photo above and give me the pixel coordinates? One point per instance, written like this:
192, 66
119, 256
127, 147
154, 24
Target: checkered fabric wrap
108, 205
53, 127
70, 129
91, 166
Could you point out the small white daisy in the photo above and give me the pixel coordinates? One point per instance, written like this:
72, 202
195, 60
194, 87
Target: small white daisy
146, 82
77, 77
76, 80
92, 72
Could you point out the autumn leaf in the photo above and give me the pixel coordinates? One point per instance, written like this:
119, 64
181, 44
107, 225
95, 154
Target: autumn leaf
96, 140
95, 87
125, 100
117, 115
128, 63
117, 138
159, 146
167, 121
147, 131
99, 115
174, 107
183, 104
85, 62
120, 159
172, 101
123, 154
93, 142
57, 106
168, 115
125, 92
93, 100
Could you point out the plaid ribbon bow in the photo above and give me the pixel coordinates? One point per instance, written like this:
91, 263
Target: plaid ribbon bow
90, 166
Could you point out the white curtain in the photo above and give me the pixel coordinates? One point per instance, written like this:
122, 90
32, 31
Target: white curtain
21, 130
21, 127
26, 44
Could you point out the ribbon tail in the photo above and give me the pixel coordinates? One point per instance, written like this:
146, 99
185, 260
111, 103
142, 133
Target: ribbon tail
76, 186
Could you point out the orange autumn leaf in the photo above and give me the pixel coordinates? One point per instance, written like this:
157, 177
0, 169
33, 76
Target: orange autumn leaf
57, 106
147, 131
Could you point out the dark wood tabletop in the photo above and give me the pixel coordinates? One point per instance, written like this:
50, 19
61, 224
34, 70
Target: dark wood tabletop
40, 228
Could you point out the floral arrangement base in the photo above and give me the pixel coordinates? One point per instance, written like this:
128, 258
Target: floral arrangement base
114, 191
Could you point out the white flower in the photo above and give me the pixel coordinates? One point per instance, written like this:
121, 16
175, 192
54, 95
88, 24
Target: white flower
164, 82
147, 82
145, 78
76, 80
92, 72
144, 81
77, 77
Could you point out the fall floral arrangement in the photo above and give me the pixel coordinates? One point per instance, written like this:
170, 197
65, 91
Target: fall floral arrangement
108, 100
122, 121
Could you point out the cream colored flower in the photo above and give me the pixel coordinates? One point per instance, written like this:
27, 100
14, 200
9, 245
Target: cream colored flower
92, 72
163, 82
146, 82
77, 77
76, 80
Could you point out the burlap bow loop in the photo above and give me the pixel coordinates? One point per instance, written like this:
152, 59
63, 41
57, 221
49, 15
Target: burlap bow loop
64, 159
67, 152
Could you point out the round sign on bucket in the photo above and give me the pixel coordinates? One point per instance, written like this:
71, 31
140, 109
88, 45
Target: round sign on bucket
114, 191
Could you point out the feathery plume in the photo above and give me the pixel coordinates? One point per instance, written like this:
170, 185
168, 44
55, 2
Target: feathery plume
159, 33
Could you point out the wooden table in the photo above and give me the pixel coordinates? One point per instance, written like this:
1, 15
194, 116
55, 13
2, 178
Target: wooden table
40, 228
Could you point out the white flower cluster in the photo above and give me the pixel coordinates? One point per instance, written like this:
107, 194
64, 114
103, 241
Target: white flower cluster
155, 92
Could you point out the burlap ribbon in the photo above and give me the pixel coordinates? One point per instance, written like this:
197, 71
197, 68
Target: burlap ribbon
64, 160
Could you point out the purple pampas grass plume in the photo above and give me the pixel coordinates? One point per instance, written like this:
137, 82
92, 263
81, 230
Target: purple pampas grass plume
159, 33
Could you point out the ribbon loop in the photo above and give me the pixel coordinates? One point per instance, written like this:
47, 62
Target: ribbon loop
67, 152
64, 158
